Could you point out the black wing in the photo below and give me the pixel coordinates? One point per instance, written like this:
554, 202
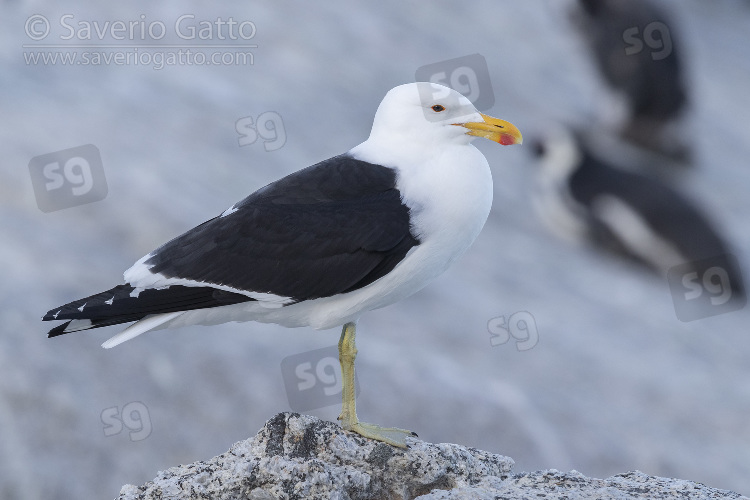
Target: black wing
331, 228
124, 304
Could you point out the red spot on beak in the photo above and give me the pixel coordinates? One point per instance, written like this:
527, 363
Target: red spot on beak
507, 139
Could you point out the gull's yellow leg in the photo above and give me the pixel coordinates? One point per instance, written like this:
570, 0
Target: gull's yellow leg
348, 417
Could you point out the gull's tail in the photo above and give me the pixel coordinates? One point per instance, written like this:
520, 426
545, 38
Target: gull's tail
150, 308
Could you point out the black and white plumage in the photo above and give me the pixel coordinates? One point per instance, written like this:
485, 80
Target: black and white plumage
636, 49
585, 198
336, 227
321, 246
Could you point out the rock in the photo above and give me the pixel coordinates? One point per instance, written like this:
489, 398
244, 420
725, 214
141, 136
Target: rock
301, 457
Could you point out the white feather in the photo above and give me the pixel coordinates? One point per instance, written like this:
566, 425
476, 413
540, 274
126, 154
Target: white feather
635, 233
229, 211
140, 276
139, 327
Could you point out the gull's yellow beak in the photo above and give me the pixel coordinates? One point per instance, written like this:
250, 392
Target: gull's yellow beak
494, 129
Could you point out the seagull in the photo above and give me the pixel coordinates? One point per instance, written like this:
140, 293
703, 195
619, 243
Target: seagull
583, 196
638, 54
325, 244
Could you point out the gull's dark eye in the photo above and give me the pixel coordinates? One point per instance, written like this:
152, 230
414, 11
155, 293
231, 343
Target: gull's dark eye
438, 108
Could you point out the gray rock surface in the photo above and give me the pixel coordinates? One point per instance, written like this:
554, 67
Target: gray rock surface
299, 456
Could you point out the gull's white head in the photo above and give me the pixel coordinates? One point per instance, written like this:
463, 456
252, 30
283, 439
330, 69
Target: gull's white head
428, 113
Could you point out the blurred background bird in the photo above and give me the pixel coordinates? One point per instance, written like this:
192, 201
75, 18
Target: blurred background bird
584, 196
635, 46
